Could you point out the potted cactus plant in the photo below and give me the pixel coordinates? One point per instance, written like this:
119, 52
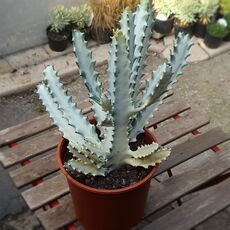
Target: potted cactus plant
215, 34
224, 7
207, 10
58, 30
185, 15
81, 19
101, 158
163, 19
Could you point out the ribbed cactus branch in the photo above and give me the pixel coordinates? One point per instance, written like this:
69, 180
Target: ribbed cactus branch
87, 67
119, 117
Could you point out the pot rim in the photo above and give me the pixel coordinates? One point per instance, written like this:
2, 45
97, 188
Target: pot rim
103, 191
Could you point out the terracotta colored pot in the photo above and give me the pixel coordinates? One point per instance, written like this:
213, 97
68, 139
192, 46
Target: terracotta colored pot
100, 209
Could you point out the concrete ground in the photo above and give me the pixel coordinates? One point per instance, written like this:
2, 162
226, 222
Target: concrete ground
204, 86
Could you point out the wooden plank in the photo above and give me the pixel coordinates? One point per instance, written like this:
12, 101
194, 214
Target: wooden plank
31, 127
35, 170
160, 194
30, 147
193, 147
209, 202
11, 156
181, 184
45, 192
180, 127
180, 153
168, 109
169, 135
56, 219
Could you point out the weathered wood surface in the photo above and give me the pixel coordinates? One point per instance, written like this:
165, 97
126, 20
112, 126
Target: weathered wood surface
31, 195
180, 153
160, 194
31, 127
35, 170
45, 192
177, 128
196, 210
193, 147
30, 147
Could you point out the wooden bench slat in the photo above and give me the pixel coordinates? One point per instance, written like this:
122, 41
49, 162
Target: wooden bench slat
209, 202
31, 127
160, 194
181, 184
180, 153
193, 147
168, 109
24, 129
56, 218
31, 147
32, 192
45, 192
178, 128
35, 170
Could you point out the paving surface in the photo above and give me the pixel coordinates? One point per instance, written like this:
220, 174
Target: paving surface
205, 86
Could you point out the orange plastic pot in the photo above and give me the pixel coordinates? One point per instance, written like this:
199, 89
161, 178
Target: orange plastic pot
99, 209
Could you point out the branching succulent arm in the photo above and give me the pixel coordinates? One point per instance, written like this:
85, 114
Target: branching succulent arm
100, 148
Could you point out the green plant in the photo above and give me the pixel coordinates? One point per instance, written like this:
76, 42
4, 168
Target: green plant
162, 7
59, 18
207, 9
106, 14
225, 6
122, 113
81, 17
217, 30
227, 18
184, 11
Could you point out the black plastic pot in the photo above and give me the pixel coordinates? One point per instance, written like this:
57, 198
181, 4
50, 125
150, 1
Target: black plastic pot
185, 29
57, 41
200, 30
101, 35
163, 27
227, 38
211, 41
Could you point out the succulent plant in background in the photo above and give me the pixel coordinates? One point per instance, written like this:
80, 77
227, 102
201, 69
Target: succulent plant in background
122, 112
225, 6
58, 31
59, 18
163, 16
185, 13
207, 11
81, 17
162, 7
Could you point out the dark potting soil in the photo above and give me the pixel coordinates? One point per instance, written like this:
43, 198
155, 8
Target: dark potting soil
123, 176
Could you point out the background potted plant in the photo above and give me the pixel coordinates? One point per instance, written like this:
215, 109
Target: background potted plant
224, 7
207, 10
105, 19
185, 15
58, 30
227, 18
81, 19
215, 34
95, 153
163, 16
